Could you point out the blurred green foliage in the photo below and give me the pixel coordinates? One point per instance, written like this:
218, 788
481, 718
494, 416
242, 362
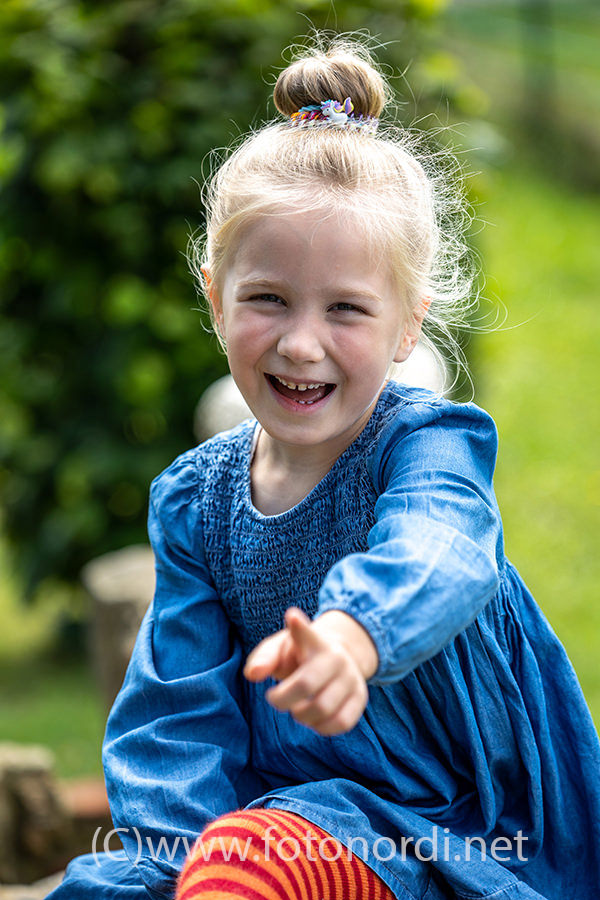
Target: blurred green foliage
107, 112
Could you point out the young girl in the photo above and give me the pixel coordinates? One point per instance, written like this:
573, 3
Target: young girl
342, 685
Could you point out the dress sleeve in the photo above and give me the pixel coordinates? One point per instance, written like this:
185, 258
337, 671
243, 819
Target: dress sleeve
176, 749
431, 566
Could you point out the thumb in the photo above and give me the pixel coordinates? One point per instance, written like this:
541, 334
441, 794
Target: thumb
303, 634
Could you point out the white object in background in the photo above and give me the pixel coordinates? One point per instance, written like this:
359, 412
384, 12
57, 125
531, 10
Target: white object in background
422, 369
221, 406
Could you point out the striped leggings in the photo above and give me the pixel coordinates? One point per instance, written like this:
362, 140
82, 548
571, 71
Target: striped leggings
273, 854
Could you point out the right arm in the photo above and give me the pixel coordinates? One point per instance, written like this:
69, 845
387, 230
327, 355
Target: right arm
177, 747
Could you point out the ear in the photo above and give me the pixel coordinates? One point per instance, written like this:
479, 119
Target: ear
412, 330
213, 296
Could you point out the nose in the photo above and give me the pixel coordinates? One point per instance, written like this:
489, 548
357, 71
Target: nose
301, 340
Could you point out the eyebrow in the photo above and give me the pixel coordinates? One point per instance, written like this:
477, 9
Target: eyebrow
349, 293
340, 294
259, 282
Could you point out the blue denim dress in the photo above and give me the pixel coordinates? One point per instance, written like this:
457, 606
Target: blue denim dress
474, 771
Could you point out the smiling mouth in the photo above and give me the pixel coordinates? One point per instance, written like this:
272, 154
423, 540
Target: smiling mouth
305, 393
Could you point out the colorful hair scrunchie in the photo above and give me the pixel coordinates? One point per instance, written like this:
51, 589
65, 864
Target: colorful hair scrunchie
331, 112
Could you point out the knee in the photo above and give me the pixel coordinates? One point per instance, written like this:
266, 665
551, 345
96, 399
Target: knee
272, 854
230, 859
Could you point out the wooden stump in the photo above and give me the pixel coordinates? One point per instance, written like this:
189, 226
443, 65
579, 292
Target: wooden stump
34, 823
121, 586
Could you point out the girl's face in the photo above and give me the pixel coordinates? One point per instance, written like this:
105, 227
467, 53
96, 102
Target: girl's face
312, 323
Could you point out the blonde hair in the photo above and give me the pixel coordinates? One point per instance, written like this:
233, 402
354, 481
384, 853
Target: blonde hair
407, 198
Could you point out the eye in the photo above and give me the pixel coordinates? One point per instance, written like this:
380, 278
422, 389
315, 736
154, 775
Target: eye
347, 307
268, 298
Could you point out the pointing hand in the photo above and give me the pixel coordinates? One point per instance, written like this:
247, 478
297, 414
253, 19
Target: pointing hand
321, 682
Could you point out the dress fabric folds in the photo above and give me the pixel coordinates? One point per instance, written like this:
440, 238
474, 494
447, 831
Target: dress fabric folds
474, 771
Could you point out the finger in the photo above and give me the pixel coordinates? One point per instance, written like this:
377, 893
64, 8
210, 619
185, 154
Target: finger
288, 659
305, 682
344, 719
324, 705
265, 657
301, 629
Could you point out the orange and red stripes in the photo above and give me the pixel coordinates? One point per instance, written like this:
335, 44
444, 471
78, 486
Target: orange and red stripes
272, 854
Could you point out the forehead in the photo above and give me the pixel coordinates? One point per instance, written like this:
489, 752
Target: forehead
313, 245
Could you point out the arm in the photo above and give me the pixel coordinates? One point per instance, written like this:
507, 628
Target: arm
431, 564
176, 749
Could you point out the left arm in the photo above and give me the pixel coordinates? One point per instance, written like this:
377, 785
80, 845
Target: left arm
429, 571
431, 564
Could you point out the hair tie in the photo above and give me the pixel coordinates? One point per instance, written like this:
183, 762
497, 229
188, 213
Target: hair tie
331, 112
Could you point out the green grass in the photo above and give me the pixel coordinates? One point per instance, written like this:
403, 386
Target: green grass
47, 695
52, 701
539, 379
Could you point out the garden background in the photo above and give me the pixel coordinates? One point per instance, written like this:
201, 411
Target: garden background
107, 113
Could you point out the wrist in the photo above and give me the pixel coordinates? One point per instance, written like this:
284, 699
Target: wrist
353, 636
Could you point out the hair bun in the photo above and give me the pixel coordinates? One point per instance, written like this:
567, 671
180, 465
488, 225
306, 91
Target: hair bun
342, 71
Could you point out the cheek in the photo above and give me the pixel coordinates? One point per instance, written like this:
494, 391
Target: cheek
248, 340
371, 347
246, 333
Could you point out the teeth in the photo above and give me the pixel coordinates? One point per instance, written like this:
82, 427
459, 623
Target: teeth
298, 387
